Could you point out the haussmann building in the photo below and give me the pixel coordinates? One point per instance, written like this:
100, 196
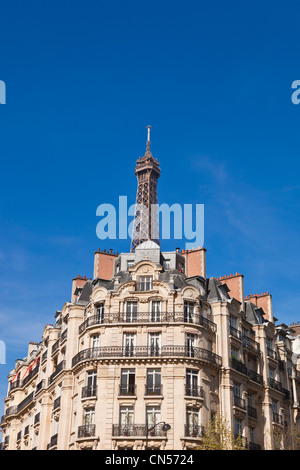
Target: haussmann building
147, 352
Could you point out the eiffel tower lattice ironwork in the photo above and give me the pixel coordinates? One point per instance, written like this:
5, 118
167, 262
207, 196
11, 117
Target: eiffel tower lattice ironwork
146, 218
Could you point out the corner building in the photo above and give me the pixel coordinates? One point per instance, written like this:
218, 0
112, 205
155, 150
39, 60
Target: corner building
151, 340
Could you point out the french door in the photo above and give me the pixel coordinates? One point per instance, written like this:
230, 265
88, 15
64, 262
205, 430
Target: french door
129, 344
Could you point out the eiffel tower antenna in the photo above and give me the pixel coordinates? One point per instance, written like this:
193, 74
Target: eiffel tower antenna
146, 218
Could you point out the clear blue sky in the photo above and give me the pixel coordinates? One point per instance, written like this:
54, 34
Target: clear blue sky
83, 80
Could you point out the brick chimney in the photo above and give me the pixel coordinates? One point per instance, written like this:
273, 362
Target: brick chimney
104, 264
264, 301
235, 284
195, 262
78, 281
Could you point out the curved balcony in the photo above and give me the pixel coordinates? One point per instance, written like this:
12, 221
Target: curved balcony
147, 317
145, 351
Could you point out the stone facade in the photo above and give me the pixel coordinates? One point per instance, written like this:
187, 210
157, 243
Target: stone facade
151, 340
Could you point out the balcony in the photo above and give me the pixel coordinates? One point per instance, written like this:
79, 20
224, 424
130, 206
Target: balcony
194, 391
28, 400
193, 430
89, 392
44, 356
12, 410
128, 389
86, 431
253, 446
147, 317
53, 441
56, 403
235, 333
37, 419
64, 335
239, 402
55, 347
15, 384
136, 430
40, 386
272, 354
58, 369
238, 365
251, 344
277, 418
32, 373
252, 412
145, 351
275, 384
153, 390
255, 377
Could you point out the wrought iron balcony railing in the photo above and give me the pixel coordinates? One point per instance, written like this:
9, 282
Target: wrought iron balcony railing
145, 351
194, 391
128, 389
147, 317
252, 412
250, 343
56, 403
89, 392
86, 430
153, 389
130, 430
58, 369
235, 332
239, 402
193, 430
37, 418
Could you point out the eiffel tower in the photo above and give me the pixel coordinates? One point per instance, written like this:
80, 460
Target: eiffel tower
146, 218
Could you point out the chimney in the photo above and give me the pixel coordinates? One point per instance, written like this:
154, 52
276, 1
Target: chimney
77, 282
195, 262
104, 264
235, 284
264, 301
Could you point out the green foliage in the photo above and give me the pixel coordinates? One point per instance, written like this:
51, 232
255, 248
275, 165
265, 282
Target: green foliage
218, 436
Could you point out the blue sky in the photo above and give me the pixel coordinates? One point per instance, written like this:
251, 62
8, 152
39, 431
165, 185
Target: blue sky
83, 79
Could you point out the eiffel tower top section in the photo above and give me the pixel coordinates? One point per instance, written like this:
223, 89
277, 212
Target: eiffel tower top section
147, 162
146, 219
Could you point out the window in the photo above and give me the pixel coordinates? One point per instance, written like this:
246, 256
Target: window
127, 386
92, 380
95, 341
156, 311
235, 353
190, 345
130, 264
192, 422
100, 313
131, 312
252, 434
153, 386
192, 377
189, 308
236, 389
154, 343
153, 418
129, 344
126, 419
89, 416
145, 283
238, 427
167, 264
